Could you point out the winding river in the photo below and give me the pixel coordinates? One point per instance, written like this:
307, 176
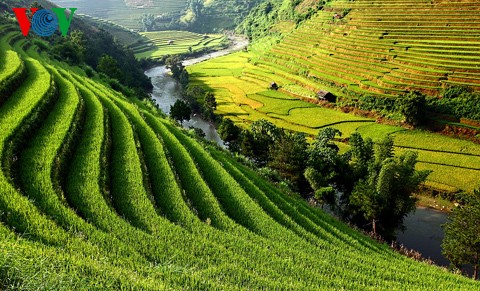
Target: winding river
423, 227
166, 90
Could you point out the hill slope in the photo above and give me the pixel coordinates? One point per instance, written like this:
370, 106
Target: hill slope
100, 192
384, 47
193, 15
372, 48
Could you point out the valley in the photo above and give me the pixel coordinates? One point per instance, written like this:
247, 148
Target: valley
100, 189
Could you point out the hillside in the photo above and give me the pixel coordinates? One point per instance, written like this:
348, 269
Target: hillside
125, 12
383, 47
354, 49
193, 15
98, 191
163, 43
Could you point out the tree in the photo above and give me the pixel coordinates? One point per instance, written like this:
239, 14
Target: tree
361, 155
191, 95
109, 66
384, 197
35, 4
180, 111
413, 106
452, 92
174, 63
287, 156
324, 158
209, 107
230, 134
72, 48
147, 21
324, 195
210, 101
257, 141
369, 203
461, 244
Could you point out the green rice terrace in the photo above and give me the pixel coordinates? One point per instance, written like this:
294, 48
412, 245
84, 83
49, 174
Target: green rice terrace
162, 43
125, 12
354, 48
98, 192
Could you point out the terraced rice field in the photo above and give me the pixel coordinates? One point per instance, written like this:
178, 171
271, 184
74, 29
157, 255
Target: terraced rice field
99, 192
384, 47
124, 12
162, 43
380, 48
245, 100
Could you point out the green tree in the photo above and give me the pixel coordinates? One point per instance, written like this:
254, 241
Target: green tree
174, 63
230, 134
287, 156
324, 158
180, 111
109, 66
384, 197
461, 244
452, 92
192, 94
209, 107
257, 141
413, 106
361, 155
210, 101
147, 21
324, 195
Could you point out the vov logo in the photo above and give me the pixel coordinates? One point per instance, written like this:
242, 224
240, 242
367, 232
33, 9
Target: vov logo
44, 22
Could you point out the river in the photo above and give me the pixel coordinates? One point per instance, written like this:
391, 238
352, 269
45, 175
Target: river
424, 233
166, 90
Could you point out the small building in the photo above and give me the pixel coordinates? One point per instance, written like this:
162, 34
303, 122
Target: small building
324, 95
170, 42
337, 16
274, 86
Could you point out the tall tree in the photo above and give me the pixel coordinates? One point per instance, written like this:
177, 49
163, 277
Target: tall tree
257, 144
209, 107
287, 156
413, 106
174, 63
324, 158
384, 197
180, 111
109, 66
230, 134
461, 244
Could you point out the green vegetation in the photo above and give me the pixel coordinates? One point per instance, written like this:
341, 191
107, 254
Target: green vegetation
461, 242
368, 54
100, 192
180, 111
164, 43
126, 13
146, 15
